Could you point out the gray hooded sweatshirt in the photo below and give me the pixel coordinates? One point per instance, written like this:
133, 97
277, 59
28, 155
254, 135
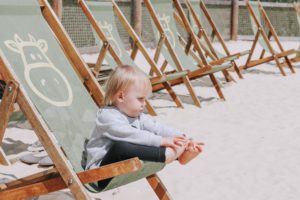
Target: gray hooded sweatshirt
113, 125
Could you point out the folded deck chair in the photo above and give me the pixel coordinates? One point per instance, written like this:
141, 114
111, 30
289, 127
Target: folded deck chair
169, 45
297, 9
44, 77
101, 17
198, 10
257, 14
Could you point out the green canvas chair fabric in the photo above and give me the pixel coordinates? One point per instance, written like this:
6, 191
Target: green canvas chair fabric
47, 77
164, 11
103, 13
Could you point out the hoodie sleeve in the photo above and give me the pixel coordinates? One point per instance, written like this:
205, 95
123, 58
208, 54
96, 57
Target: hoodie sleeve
149, 124
114, 126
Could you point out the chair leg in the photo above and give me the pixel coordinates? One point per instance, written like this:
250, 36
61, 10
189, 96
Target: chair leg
192, 92
227, 76
6, 108
150, 109
237, 70
279, 65
173, 95
3, 159
217, 86
251, 50
289, 64
158, 187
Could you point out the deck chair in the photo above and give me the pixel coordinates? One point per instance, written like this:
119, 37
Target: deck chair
297, 9
257, 14
197, 10
169, 46
59, 96
101, 17
189, 49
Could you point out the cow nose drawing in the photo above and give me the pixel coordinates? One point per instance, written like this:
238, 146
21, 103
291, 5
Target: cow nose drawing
42, 77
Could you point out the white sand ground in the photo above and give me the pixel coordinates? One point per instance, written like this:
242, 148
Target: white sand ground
252, 140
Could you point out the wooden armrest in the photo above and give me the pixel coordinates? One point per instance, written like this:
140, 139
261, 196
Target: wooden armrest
56, 183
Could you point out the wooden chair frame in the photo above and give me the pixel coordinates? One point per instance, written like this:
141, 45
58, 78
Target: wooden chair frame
205, 66
215, 33
138, 46
266, 37
62, 175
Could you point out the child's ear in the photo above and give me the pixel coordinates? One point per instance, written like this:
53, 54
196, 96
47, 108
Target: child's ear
120, 96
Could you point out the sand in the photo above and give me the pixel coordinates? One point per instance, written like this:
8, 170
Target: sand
251, 140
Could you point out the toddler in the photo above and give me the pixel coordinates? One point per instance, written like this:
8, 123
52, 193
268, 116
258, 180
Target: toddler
123, 131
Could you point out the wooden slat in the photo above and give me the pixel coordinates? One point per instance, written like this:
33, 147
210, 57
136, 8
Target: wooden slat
100, 58
192, 75
41, 176
253, 63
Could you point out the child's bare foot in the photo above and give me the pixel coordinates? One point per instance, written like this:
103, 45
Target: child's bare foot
192, 151
173, 154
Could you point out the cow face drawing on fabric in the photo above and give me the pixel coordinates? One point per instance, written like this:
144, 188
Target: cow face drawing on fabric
164, 21
107, 29
43, 78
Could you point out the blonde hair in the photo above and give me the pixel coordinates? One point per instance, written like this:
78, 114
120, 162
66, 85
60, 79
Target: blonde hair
120, 80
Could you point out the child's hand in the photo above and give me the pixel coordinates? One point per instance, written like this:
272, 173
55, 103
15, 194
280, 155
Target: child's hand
174, 142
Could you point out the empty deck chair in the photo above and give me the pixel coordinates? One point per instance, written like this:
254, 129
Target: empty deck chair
257, 14
198, 10
101, 17
47, 78
169, 45
297, 9
209, 53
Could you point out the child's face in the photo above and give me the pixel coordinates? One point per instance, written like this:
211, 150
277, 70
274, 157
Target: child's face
133, 101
